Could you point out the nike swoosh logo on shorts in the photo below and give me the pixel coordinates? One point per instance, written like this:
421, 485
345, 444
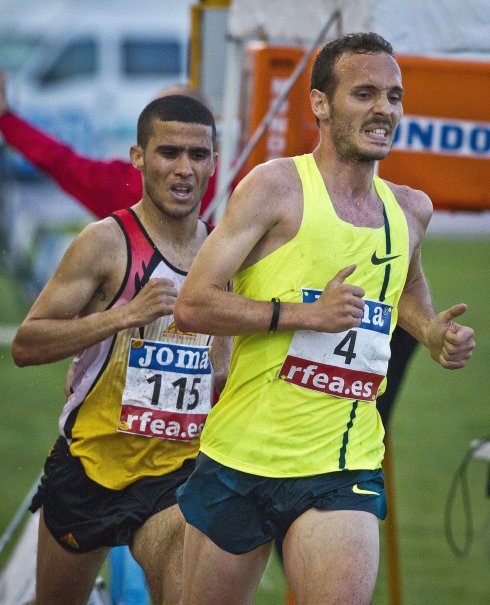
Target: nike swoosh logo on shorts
357, 490
379, 261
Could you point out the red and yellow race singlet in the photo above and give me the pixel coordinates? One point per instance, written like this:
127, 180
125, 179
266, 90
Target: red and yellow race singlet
139, 398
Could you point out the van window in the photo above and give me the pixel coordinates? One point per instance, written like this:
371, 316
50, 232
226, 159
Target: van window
14, 50
79, 58
152, 57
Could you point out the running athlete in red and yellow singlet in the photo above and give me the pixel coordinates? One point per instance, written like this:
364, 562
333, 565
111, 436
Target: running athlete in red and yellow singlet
140, 389
139, 398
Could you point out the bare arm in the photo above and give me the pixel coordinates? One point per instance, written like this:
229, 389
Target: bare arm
257, 221
220, 358
449, 343
69, 314
416, 310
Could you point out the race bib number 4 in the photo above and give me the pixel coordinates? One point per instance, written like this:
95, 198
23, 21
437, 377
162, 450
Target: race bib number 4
349, 364
167, 392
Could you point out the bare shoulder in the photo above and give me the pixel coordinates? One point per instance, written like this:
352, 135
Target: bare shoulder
100, 235
274, 173
98, 246
272, 188
106, 230
271, 180
416, 205
96, 263
263, 213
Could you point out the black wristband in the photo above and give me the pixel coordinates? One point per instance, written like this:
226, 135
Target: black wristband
275, 314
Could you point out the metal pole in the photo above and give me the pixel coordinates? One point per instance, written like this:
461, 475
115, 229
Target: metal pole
19, 515
391, 531
276, 105
231, 102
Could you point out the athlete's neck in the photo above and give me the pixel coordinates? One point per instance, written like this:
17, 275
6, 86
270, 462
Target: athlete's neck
351, 189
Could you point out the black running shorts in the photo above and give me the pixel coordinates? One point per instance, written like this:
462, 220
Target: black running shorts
83, 515
239, 511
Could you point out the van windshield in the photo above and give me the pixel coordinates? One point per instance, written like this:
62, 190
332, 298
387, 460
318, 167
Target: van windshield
15, 51
151, 57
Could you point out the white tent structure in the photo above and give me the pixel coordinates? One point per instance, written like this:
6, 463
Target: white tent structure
415, 27
420, 27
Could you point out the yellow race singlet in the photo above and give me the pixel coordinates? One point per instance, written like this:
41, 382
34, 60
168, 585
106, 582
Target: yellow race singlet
304, 403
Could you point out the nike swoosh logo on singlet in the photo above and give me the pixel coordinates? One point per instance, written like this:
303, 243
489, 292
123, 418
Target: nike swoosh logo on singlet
379, 261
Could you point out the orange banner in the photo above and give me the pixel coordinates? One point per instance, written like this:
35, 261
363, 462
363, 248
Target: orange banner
266, 70
442, 145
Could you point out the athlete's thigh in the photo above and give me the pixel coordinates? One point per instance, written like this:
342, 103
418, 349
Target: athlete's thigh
158, 546
213, 575
63, 577
332, 557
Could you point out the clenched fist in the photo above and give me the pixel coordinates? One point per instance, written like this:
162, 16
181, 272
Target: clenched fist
155, 299
340, 305
449, 343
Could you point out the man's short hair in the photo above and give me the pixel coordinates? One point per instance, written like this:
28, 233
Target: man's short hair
323, 76
173, 108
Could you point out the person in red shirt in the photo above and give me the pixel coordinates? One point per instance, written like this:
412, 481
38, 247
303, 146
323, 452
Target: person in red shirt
102, 186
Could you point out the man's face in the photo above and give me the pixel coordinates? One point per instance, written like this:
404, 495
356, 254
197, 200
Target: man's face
178, 161
366, 106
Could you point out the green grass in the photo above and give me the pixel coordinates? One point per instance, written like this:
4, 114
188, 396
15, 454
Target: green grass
437, 415
31, 398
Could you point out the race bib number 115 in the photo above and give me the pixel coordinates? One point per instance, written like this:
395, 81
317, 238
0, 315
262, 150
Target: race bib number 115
168, 390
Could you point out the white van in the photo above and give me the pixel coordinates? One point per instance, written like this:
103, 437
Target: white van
85, 69
82, 70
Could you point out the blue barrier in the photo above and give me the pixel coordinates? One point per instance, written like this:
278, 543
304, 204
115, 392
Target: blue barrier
128, 585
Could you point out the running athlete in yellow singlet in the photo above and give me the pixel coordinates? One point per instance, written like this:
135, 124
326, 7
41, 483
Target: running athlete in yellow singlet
325, 259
